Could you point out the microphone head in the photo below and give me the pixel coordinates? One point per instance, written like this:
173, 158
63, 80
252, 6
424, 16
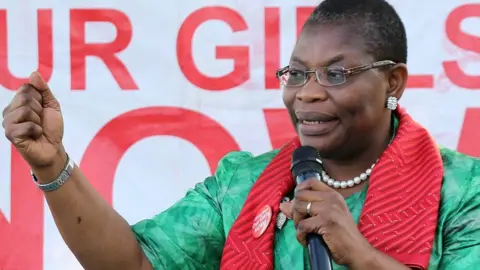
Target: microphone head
304, 159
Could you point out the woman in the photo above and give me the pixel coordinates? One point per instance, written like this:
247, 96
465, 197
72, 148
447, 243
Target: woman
390, 197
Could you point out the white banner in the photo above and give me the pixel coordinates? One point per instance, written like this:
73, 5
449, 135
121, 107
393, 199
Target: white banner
149, 88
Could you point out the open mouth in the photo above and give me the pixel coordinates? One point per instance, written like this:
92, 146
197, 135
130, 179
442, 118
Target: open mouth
314, 123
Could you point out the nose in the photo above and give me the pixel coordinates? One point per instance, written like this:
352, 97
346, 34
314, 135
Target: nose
312, 91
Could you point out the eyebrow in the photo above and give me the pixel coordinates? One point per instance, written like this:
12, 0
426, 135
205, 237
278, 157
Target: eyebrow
330, 62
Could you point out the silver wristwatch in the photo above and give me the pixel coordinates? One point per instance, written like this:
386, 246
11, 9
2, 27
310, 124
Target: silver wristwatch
59, 181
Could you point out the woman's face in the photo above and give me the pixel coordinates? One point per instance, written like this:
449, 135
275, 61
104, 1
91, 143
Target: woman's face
339, 119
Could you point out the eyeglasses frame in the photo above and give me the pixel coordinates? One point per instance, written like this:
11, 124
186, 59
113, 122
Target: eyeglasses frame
346, 71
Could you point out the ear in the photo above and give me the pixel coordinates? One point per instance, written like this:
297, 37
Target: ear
397, 80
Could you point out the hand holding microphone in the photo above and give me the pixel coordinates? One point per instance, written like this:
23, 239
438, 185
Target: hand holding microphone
322, 218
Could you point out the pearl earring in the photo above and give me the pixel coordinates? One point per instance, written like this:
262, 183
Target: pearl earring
392, 103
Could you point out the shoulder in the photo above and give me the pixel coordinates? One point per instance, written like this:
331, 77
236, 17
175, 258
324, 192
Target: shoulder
461, 182
239, 169
243, 160
460, 170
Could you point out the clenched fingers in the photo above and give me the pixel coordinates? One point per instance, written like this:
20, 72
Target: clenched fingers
25, 106
300, 211
312, 225
22, 117
22, 114
307, 195
18, 133
26, 96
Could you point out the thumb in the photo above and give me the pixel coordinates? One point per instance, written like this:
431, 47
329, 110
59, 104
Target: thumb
48, 99
287, 209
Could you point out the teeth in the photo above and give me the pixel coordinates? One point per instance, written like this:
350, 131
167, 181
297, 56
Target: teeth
306, 122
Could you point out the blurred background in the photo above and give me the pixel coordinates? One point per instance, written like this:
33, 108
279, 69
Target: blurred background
154, 93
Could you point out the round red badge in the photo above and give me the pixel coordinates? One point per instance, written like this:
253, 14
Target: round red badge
261, 221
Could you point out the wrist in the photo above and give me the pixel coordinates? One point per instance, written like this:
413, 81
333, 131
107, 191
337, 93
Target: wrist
47, 174
367, 259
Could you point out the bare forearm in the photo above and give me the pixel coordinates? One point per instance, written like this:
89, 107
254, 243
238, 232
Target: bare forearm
98, 236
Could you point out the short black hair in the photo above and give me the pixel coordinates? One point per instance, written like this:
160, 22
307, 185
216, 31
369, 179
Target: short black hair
376, 21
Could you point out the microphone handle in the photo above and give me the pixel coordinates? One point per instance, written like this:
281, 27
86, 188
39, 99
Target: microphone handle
319, 253
320, 258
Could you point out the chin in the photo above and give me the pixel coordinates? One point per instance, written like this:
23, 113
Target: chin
324, 145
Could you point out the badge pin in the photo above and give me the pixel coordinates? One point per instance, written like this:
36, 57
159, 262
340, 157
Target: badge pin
281, 220
261, 221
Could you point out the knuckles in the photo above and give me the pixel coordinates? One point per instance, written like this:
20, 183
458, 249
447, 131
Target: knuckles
311, 182
26, 90
302, 227
21, 111
24, 113
23, 105
306, 185
297, 206
33, 131
300, 193
5, 111
24, 100
8, 132
337, 197
29, 129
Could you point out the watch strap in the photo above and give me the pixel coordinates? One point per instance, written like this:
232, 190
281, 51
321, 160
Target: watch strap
59, 181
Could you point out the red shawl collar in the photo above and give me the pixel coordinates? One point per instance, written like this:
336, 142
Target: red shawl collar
400, 213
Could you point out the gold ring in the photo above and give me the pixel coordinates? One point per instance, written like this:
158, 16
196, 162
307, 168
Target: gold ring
309, 205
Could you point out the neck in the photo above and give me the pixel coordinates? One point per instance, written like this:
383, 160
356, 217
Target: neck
354, 165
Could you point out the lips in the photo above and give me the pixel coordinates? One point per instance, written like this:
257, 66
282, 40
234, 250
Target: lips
315, 123
314, 117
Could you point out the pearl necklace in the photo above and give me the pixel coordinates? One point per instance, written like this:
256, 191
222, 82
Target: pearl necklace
347, 183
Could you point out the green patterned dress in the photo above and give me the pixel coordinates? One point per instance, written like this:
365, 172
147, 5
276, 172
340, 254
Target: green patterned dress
191, 234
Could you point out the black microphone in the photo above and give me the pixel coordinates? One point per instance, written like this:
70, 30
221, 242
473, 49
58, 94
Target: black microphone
305, 165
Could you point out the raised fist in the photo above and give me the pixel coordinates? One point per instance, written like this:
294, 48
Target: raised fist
33, 123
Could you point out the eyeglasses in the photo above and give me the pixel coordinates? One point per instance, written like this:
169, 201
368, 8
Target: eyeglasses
326, 76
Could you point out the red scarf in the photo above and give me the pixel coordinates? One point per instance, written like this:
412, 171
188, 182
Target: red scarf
399, 216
